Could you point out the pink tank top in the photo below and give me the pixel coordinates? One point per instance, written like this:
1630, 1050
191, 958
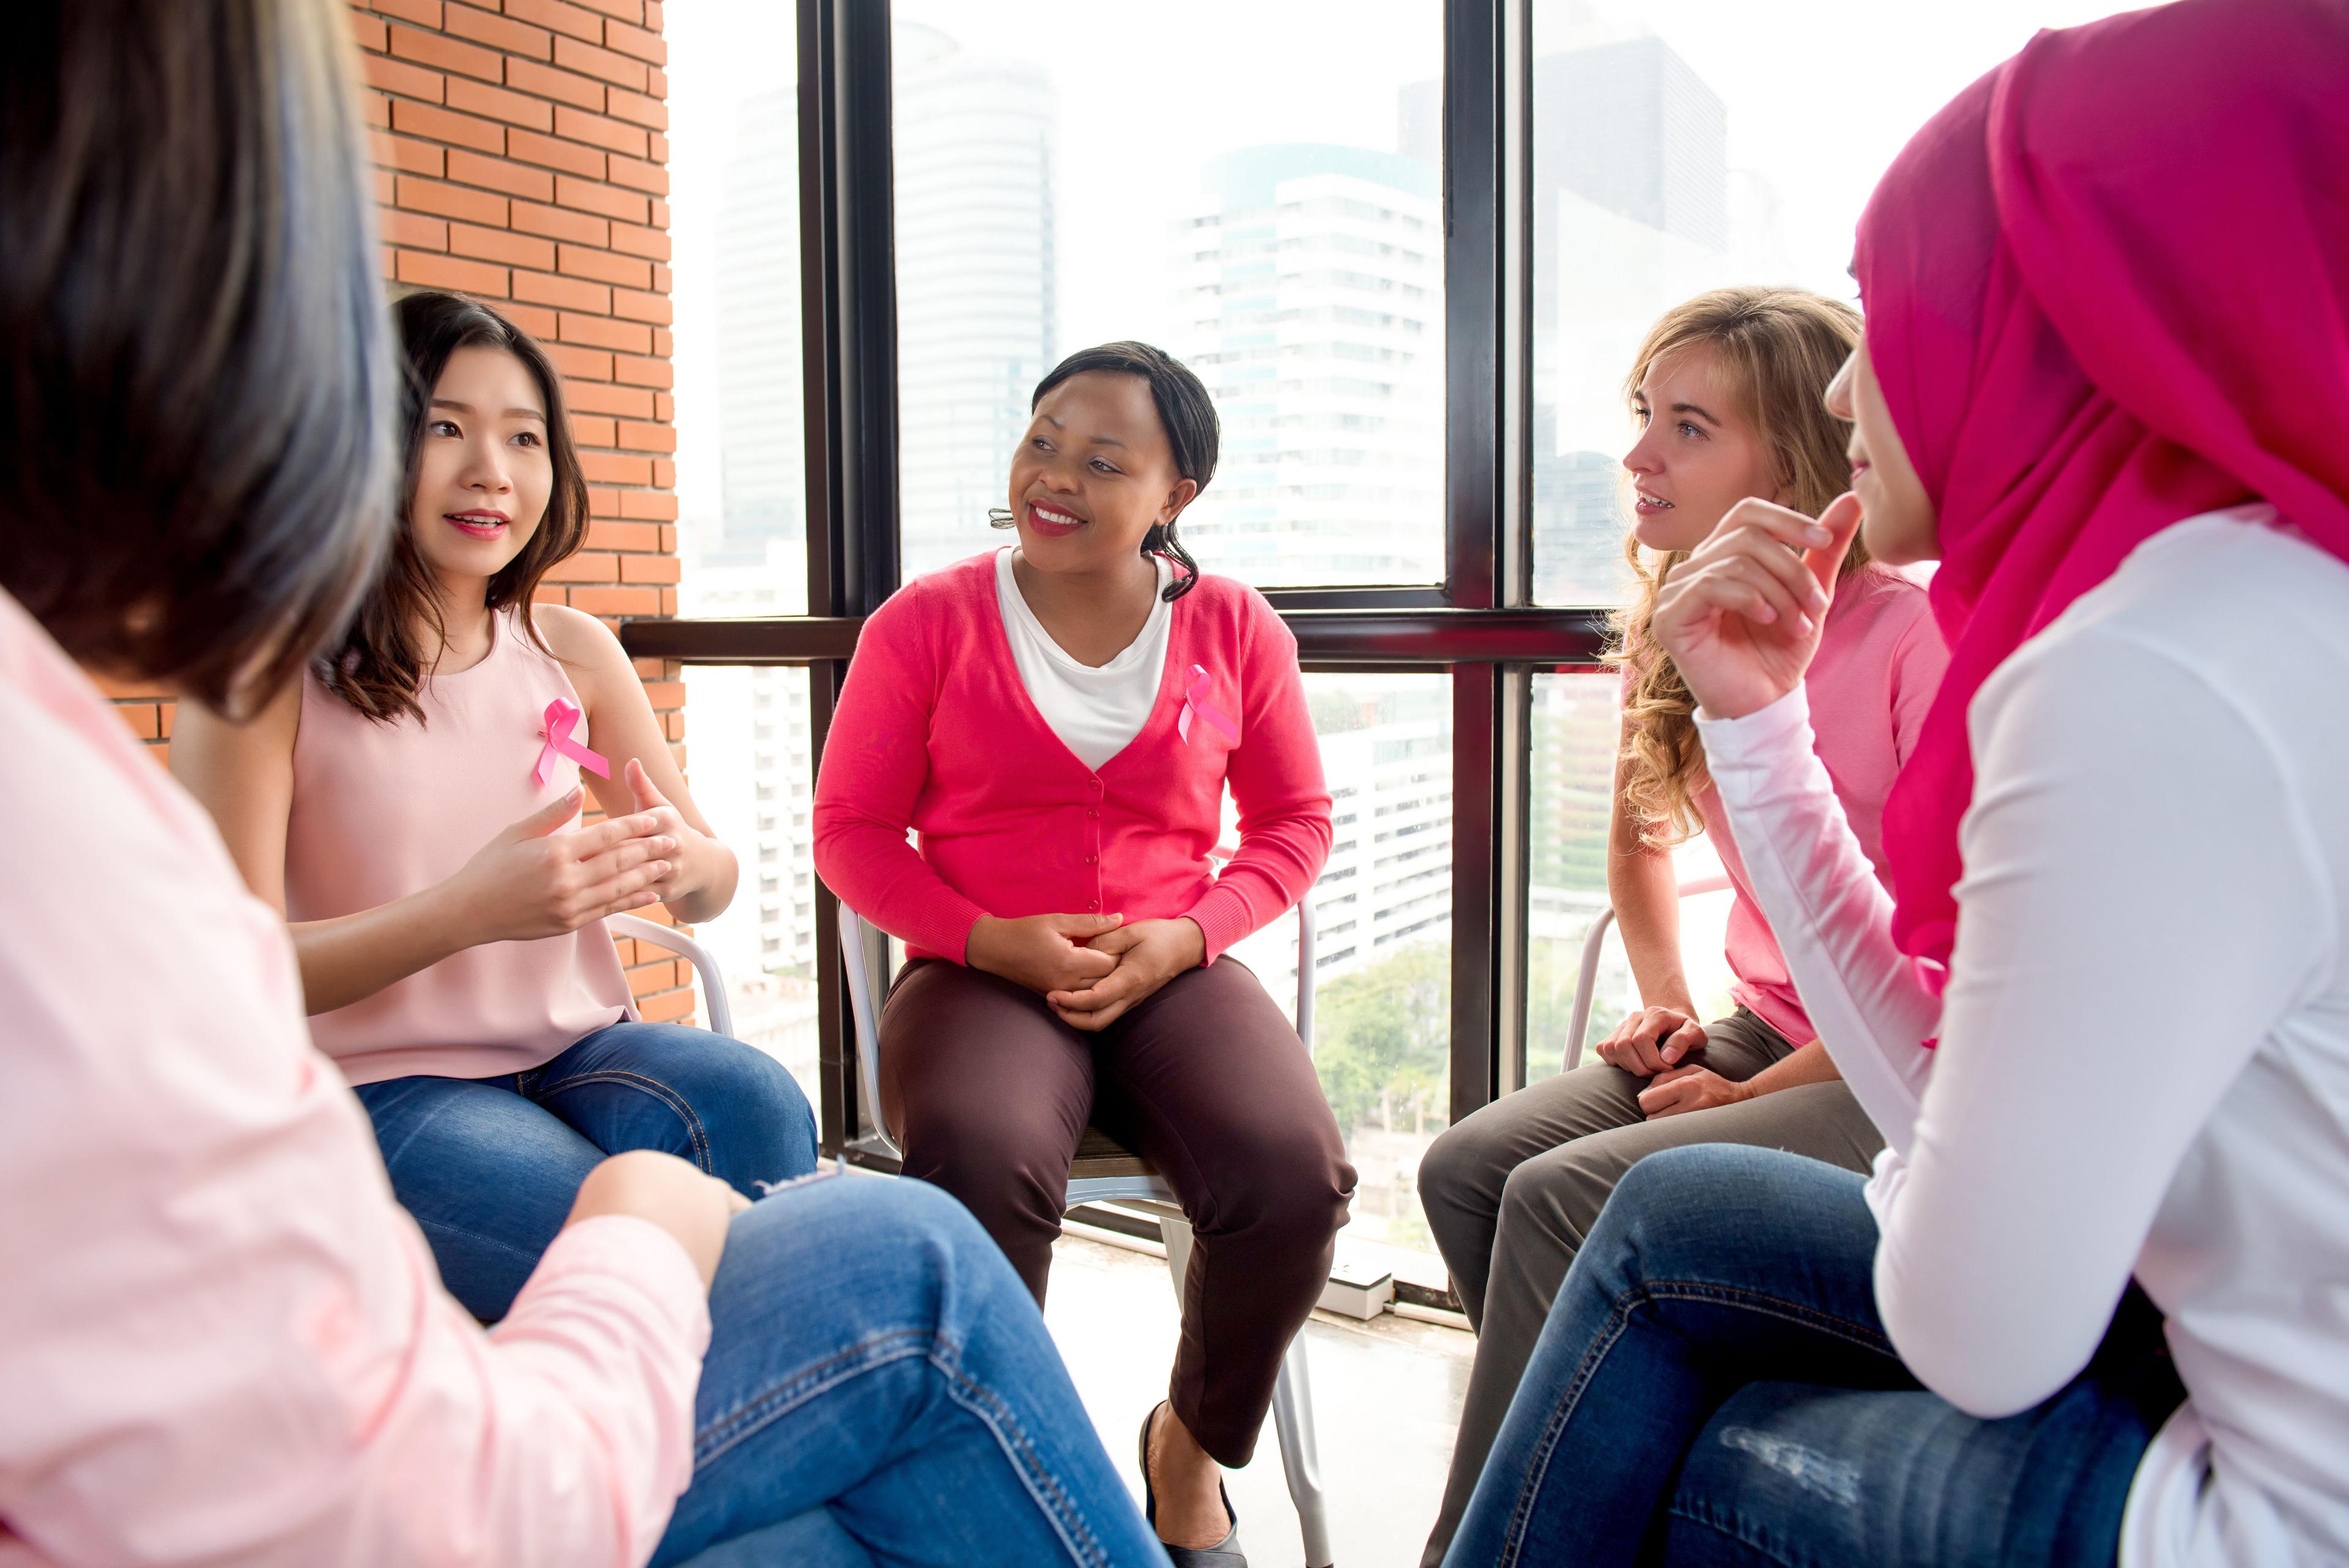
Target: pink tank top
384, 810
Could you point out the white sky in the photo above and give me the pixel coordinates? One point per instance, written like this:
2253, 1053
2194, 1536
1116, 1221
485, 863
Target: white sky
1820, 94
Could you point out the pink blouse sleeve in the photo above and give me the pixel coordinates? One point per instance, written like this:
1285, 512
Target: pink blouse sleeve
221, 1340
875, 761
1275, 774
1919, 659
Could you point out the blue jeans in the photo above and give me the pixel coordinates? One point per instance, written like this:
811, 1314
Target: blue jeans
489, 1167
880, 1391
1713, 1387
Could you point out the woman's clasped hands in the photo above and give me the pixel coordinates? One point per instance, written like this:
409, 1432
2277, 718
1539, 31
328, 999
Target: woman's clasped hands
1742, 616
1090, 968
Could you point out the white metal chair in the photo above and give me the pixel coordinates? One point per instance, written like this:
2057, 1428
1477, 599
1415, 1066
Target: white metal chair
1579, 1022
670, 939
1105, 1172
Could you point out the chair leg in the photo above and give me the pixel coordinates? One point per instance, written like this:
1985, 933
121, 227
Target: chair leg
1176, 1232
1292, 1418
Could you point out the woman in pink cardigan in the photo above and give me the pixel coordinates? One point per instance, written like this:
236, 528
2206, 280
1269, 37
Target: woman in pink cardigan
1057, 722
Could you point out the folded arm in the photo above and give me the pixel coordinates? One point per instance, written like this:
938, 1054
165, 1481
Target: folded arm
875, 761
1869, 1002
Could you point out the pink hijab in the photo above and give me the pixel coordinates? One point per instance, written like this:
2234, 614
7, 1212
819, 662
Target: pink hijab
2107, 288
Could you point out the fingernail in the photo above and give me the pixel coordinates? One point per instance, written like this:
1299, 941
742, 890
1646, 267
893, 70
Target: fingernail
1818, 535
1804, 622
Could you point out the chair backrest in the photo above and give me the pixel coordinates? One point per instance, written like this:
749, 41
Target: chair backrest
669, 939
1578, 1022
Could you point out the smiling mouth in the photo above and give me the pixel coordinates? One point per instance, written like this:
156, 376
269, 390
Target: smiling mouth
1653, 502
1049, 520
477, 524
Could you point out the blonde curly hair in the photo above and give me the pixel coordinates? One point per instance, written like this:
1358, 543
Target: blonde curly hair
1778, 347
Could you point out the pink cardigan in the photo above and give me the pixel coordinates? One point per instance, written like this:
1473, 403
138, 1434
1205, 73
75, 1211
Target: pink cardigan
934, 732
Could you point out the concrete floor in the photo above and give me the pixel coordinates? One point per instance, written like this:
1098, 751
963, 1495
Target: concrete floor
1386, 1397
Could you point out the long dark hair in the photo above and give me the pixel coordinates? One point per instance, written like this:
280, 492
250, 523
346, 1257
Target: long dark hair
196, 383
1185, 411
379, 666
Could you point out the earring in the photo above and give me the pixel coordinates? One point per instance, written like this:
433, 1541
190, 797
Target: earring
999, 517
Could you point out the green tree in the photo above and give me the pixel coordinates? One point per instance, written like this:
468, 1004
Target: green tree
1383, 1038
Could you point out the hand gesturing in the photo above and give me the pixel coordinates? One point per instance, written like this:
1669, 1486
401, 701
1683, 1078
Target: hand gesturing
1742, 616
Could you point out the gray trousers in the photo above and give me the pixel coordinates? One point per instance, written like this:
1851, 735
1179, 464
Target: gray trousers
1511, 1192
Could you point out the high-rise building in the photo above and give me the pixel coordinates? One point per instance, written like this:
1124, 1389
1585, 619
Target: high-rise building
1635, 208
761, 436
749, 740
1310, 298
1631, 215
977, 294
1386, 750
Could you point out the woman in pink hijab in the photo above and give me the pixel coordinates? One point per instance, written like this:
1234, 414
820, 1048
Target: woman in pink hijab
2094, 1304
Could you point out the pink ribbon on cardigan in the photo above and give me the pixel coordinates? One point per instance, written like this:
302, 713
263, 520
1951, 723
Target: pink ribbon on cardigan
1195, 700
561, 719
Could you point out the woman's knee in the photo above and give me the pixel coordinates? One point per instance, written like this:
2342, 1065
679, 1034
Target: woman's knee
916, 1222
753, 1121
1456, 1173
1296, 1190
1693, 1210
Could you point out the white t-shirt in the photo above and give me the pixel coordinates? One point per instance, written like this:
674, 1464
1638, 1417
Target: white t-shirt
1094, 711
2143, 1057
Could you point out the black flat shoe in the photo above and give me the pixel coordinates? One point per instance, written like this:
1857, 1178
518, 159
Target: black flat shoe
1224, 1553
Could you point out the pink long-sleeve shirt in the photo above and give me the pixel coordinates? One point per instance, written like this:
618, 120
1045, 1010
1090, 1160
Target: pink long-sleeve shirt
934, 732
221, 1340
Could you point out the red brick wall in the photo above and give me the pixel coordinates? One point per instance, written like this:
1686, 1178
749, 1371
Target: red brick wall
522, 156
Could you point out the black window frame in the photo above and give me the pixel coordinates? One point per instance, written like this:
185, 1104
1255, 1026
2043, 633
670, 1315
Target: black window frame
1478, 625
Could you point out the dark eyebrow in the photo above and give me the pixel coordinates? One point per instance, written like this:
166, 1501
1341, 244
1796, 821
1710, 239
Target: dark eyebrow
467, 409
1096, 440
1695, 409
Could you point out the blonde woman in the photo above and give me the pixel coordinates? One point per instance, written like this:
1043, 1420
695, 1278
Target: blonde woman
1728, 396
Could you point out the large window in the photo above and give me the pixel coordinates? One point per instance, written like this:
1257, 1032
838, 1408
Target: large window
751, 753
741, 493
1680, 147
735, 233
1382, 1033
1410, 246
1254, 187
1575, 721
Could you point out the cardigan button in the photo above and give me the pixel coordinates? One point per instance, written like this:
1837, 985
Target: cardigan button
1092, 860
1094, 812
1093, 904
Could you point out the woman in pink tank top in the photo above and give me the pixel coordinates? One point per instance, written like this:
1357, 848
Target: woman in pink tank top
411, 809
1728, 391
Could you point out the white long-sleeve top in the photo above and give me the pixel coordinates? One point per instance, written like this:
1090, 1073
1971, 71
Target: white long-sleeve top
2143, 1062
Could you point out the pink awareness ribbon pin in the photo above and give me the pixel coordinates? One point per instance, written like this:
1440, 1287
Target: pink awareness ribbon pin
1195, 701
561, 719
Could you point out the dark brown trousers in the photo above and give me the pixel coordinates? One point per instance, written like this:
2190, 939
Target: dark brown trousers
989, 1093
